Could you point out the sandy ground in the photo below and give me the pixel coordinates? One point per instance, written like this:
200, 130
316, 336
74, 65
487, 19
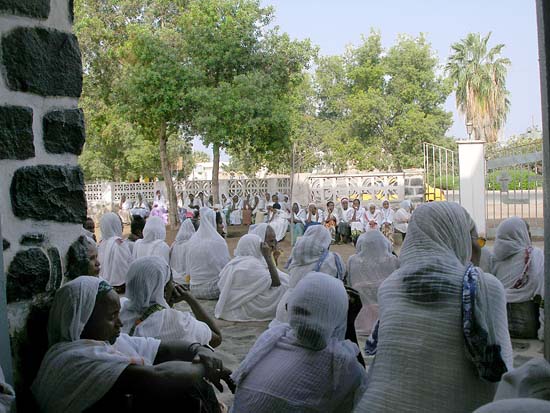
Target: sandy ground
238, 338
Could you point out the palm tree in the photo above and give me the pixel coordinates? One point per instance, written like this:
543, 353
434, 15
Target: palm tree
479, 77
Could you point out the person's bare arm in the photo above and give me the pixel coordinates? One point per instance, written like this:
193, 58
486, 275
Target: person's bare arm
273, 272
180, 294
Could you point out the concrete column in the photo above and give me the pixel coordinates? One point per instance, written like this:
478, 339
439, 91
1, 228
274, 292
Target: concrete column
471, 157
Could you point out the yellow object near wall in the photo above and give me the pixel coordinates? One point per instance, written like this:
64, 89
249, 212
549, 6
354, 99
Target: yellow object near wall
434, 194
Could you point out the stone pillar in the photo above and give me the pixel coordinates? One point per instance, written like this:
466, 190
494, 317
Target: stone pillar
471, 158
42, 201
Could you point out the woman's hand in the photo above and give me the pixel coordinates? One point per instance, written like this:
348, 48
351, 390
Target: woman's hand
266, 250
180, 293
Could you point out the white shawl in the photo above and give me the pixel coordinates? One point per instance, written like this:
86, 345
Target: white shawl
245, 287
113, 252
153, 242
402, 216
179, 249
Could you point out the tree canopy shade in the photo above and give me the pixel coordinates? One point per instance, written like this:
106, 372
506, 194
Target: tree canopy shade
479, 77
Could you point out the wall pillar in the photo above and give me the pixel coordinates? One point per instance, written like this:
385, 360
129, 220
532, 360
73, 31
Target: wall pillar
471, 157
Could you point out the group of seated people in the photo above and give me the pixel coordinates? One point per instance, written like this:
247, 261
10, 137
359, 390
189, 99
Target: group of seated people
437, 319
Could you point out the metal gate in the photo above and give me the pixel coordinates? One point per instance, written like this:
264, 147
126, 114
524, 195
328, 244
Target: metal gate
441, 174
514, 184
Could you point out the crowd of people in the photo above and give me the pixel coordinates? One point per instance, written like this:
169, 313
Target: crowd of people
440, 316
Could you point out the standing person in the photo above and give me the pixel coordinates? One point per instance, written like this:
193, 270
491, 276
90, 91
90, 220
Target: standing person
141, 207
386, 220
520, 268
247, 212
148, 312
356, 221
153, 242
178, 252
372, 218
207, 257
260, 210
402, 217
314, 215
331, 220
124, 210
160, 208
367, 269
305, 365
299, 216
344, 214
440, 317
113, 252
250, 284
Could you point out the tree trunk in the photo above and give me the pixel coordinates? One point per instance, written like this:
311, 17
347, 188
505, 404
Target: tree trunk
216, 173
165, 166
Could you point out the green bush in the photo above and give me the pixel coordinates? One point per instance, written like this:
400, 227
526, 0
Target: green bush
519, 179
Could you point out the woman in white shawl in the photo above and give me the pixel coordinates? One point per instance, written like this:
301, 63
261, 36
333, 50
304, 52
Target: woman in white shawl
402, 217
305, 365
278, 220
434, 354
147, 312
114, 252
90, 366
250, 284
311, 253
152, 244
141, 207
371, 265
178, 252
206, 257
520, 268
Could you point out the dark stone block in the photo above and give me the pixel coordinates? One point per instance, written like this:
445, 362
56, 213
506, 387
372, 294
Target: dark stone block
16, 137
28, 274
42, 61
417, 182
32, 239
5, 244
39, 9
64, 131
49, 192
56, 270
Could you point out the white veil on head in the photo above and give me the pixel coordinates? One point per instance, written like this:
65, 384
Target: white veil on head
207, 228
72, 307
512, 236
249, 246
110, 226
259, 230
154, 229
311, 246
406, 205
373, 244
185, 232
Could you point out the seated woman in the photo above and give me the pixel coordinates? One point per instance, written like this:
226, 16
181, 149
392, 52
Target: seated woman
305, 365
141, 207
372, 218
234, 211
331, 220
311, 253
314, 216
402, 217
206, 257
124, 210
443, 341
82, 259
520, 268
356, 220
250, 284
114, 252
152, 244
371, 265
267, 235
299, 218
178, 252
277, 219
148, 312
160, 207
90, 366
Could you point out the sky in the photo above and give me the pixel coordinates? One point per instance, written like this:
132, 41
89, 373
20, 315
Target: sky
333, 25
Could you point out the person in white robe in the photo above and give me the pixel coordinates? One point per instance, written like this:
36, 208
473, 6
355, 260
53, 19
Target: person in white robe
356, 220
250, 284
201, 201
125, 210
520, 268
314, 215
372, 218
443, 342
148, 311
141, 207
91, 366
311, 253
344, 214
299, 218
113, 252
153, 242
261, 209
267, 234
386, 220
160, 207
367, 269
234, 211
206, 257
278, 220
330, 220
402, 217
178, 252
305, 365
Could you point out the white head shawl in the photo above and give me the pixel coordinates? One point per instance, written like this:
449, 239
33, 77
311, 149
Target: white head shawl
406, 205
185, 232
516, 406
509, 252
249, 246
145, 284
531, 380
154, 230
259, 230
209, 252
179, 249
113, 253
152, 244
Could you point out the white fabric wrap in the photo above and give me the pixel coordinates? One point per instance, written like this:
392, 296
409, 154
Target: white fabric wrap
511, 242
179, 250
402, 217
279, 223
75, 373
245, 287
147, 278
304, 366
531, 380
371, 265
209, 253
516, 406
113, 252
152, 244
421, 363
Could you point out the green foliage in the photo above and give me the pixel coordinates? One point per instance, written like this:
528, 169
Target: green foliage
519, 179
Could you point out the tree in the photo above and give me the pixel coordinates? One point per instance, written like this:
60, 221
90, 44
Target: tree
479, 77
244, 71
199, 156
